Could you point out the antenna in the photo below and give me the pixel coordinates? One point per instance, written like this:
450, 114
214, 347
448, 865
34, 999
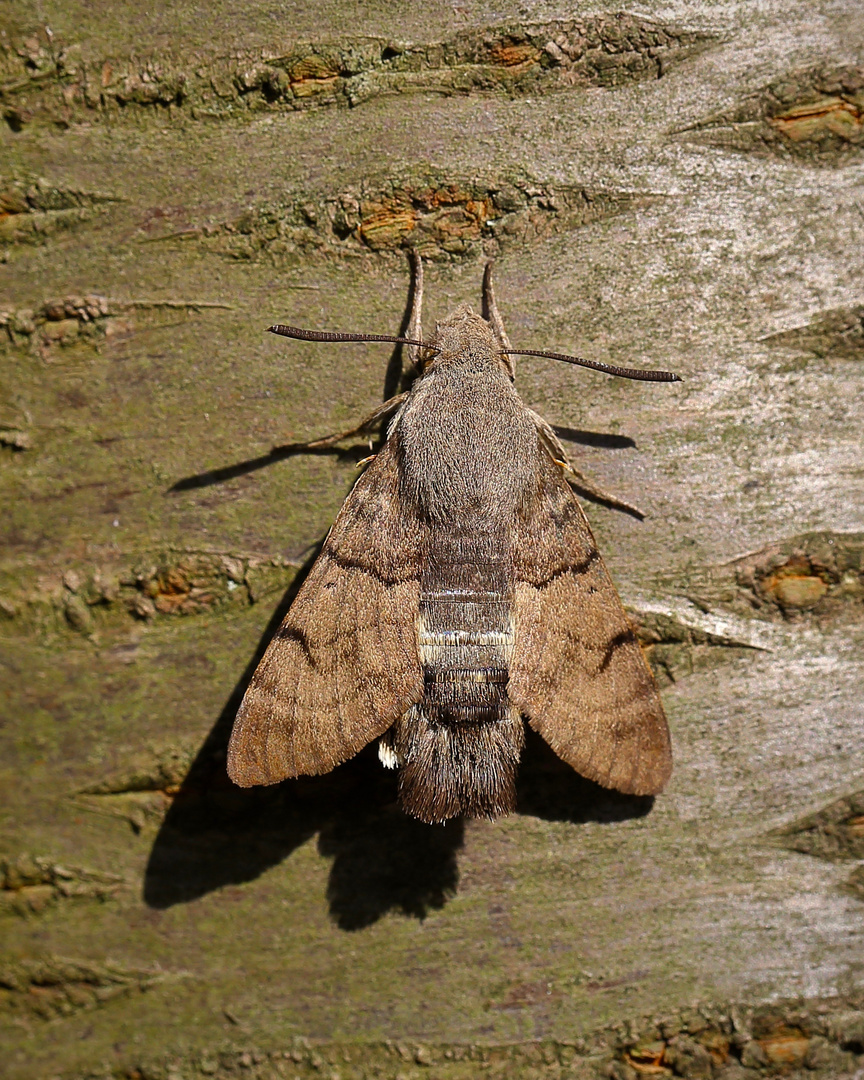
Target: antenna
610, 369
325, 335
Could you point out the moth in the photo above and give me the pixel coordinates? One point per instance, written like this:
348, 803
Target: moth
459, 593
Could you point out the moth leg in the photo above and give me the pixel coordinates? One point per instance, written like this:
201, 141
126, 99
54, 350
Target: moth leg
585, 484
550, 440
387, 754
362, 428
493, 316
415, 326
558, 454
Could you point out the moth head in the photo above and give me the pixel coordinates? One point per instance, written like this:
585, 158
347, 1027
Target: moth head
463, 336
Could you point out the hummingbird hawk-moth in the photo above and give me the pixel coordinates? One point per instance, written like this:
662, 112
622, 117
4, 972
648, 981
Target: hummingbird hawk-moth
458, 593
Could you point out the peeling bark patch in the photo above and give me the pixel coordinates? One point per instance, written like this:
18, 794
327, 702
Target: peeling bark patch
835, 832
43, 80
156, 770
445, 219
825, 1038
822, 119
30, 883
854, 885
140, 791
648, 1058
818, 574
184, 588
796, 583
837, 334
33, 210
140, 809
57, 324
90, 599
54, 986
82, 321
816, 114
676, 646
195, 583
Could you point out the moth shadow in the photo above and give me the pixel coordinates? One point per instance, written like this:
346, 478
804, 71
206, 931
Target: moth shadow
250, 465
217, 834
602, 439
398, 376
548, 788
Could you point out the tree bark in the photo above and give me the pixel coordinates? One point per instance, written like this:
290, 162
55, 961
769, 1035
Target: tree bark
678, 189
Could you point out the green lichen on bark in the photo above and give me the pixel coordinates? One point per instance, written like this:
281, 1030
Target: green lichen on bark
45, 79
158, 921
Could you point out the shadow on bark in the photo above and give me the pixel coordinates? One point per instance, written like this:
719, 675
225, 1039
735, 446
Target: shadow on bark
217, 834
395, 377
250, 465
398, 376
603, 439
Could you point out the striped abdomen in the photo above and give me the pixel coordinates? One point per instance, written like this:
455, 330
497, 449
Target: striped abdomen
459, 747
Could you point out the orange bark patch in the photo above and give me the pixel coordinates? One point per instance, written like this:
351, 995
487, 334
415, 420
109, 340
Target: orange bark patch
855, 826
454, 217
789, 1048
12, 202
449, 214
312, 75
831, 115
717, 1046
647, 1059
310, 87
312, 67
795, 584
174, 593
385, 225
508, 54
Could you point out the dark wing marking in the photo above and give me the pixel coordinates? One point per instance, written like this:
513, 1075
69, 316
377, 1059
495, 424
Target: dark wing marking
344, 664
577, 670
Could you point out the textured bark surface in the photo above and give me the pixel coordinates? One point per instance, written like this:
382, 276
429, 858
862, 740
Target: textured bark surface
678, 188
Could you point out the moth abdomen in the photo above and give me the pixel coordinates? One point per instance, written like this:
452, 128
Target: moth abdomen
456, 767
458, 748
475, 696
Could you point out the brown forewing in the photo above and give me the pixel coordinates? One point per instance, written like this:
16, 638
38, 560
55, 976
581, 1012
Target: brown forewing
578, 672
344, 664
